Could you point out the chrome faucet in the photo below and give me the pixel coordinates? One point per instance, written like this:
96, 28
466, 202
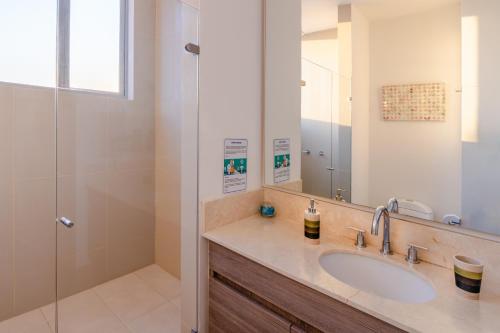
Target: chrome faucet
386, 244
393, 205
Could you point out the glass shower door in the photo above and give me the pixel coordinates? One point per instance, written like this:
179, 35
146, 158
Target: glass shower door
106, 164
27, 164
316, 127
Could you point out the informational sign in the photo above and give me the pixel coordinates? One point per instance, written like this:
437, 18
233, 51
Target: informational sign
235, 165
281, 160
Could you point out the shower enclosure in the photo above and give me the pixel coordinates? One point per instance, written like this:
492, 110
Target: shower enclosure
77, 152
325, 132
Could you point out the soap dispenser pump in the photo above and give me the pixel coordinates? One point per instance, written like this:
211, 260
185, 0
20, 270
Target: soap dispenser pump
312, 223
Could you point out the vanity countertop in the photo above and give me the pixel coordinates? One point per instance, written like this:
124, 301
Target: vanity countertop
278, 244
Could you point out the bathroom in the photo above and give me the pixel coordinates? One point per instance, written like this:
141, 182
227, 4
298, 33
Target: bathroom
158, 160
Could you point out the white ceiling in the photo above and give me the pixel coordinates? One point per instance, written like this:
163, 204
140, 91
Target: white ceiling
318, 15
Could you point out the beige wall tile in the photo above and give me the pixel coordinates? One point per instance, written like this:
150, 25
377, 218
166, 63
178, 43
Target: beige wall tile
6, 249
231, 208
79, 271
130, 221
34, 133
82, 141
82, 199
6, 203
34, 252
167, 226
168, 126
168, 245
130, 134
6, 121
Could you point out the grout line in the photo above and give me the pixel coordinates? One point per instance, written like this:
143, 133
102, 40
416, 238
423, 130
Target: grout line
143, 281
92, 290
153, 288
46, 319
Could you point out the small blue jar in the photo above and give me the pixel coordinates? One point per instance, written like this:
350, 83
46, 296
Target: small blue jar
267, 210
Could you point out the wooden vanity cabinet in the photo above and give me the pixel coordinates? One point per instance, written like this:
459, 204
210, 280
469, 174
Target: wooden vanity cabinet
247, 297
231, 311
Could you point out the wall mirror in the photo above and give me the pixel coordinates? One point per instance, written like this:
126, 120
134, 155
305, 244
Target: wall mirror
366, 101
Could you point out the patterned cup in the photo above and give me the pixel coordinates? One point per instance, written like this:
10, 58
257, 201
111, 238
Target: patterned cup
468, 276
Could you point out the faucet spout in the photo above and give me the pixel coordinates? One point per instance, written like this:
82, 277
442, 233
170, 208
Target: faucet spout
386, 243
393, 206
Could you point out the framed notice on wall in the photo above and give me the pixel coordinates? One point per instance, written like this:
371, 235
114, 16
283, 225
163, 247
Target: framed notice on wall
281, 160
235, 165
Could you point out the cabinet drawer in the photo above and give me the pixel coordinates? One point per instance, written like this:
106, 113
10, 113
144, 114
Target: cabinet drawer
232, 312
307, 305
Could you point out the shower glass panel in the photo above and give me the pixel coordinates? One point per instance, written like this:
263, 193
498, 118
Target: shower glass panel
27, 164
77, 165
316, 128
106, 162
326, 132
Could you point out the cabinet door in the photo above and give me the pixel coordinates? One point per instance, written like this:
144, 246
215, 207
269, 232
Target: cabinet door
232, 312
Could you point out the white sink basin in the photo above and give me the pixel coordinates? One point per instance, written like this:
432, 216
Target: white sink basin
377, 277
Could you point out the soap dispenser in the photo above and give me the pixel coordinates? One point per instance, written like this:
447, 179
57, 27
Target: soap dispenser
311, 224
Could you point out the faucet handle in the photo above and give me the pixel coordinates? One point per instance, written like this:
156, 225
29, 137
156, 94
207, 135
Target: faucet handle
412, 256
360, 239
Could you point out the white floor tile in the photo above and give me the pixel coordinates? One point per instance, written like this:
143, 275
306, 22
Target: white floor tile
147, 301
30, 322
86, 313
166, 319
164, 283
129, 297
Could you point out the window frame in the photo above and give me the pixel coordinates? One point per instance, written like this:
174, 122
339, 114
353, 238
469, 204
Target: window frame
63, 50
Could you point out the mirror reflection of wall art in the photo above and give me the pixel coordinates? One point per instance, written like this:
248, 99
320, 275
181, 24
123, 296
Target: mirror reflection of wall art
422, 102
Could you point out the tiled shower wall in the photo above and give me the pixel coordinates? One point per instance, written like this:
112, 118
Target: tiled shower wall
105, 178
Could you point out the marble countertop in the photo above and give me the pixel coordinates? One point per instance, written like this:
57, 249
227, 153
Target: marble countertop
279, 245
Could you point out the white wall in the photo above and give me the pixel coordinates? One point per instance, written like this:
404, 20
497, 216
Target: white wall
282, 82
416, 160
360, 30
230, 88
481, 155
322, 48
230, 100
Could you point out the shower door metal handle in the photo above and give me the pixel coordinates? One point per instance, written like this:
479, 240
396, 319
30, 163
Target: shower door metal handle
66, 222
330, 169
192, 48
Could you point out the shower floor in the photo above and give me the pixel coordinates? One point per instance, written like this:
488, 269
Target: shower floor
146, 301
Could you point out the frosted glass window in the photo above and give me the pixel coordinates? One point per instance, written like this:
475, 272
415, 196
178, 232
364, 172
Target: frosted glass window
95, 45
28, 42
